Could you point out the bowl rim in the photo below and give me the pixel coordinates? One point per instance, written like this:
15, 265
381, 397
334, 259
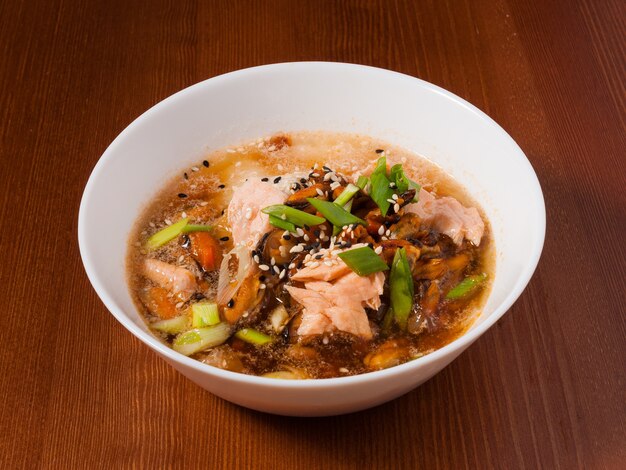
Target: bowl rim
457, 345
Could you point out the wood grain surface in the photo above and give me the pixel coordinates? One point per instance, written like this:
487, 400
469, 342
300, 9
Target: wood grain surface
544, 388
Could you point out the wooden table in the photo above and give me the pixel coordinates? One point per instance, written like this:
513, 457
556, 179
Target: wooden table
544, 388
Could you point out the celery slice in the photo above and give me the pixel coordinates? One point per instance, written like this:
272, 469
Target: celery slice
198, 339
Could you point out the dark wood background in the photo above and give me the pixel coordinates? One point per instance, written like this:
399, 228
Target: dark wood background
544, 388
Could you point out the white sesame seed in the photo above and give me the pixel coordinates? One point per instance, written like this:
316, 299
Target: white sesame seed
262, 286
381, 230
276, 269
306, 237
151, 224
245, 314
282, 250
271, 148
315, 175
328, 263
282, 274
327, 176
314, 264
204, 203
394, 197
195, 168
184, 215
264, 267
272, 261
296, 249
280, 167
343, 370
378, 250
335, 185
392, 185
388, 232
256, 259
383, 238
319, 191
396, 207
325, 340
292, 265
238, 164
230, 150
168, 222
248, 213
283, 216
300, 232
391, 201
180, 304
181, 258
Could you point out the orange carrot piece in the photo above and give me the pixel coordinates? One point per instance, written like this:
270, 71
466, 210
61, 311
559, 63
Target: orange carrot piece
205, 250
157, 301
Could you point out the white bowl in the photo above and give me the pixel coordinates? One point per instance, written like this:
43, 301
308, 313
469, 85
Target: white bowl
251, 103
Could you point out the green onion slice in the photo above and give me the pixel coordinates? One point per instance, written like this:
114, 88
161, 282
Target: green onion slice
397, 176
280, 223
380, 192
172, 325
335, 214
362, 181
466, 286
294, 216
347, 194
204, 314
363, 261
253, 336
196, 228
401, 288
198, 339
166, 235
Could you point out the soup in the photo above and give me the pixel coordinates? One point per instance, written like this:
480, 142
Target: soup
310, 255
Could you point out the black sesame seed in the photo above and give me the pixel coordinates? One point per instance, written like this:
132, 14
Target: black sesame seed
223, 210
371, 245
302, 180
319, 256
186, 175
347, 245
205, 163
306, 227
326, 169
182, 195
296, 185
224, 239
265, 180
317, 232
277, 179
287, 236
379, 150
231, 303
222, 186
261, 278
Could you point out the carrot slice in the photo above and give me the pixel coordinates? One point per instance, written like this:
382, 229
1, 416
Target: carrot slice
159, 304
205, 250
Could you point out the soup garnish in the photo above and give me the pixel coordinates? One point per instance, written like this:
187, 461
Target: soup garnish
310, 255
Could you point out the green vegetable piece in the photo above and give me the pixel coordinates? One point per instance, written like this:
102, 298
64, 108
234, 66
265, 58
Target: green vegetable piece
335, 214
380, 192
166, 235
363, 261
199, 339
280, 223
362, 181
295, 216
204, 314
196, 228
401, 288
388, 319
253, 336
347, 194
172, 325
466, 286
397, 176
381, 167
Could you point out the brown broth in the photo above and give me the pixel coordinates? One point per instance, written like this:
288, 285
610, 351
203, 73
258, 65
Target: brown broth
207, 189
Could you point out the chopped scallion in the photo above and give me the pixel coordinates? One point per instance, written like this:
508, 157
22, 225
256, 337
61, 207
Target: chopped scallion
198, 339
335, 214
380, 192
363, 261
397, 176
165, 235
172, 325
196, 228
294, 216
346, 195
362, 181
466, 286
204, 314
253, 336
280, 223
401, 288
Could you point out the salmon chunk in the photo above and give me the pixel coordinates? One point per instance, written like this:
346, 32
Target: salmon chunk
179, 281
248, 223
449, 216
339, 304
